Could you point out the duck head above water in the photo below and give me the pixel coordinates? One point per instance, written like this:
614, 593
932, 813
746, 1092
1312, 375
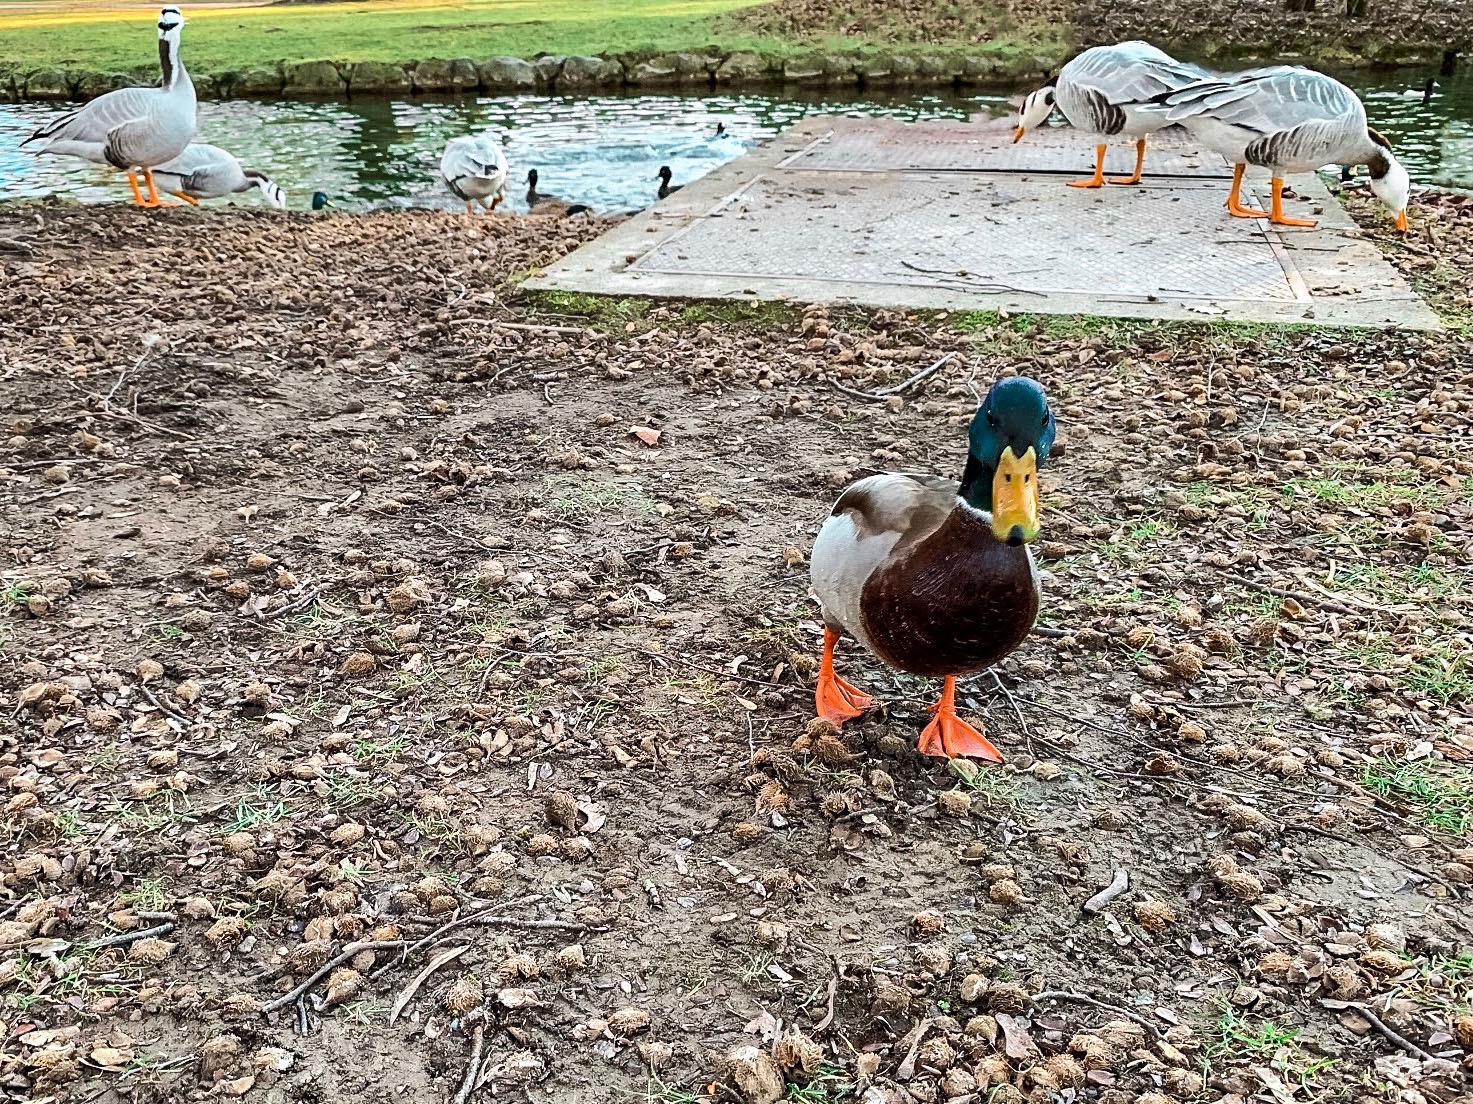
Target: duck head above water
1010, 438
320, 201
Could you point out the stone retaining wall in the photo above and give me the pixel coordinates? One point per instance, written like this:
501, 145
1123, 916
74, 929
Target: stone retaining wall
1098, 20
691, 72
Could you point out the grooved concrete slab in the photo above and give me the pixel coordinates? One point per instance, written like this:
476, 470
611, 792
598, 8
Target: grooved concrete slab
765, 227
856, 145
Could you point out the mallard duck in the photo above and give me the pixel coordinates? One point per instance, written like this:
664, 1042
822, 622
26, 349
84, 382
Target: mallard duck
665, 186
474, 168
320, 202
1287, 119
934, 578
551, 203
133, 129
204, 171
1102, 92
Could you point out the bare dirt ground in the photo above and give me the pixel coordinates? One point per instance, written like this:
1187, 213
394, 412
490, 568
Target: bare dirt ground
385, 720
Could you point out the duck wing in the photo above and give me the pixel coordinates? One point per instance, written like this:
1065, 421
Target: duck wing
875, 520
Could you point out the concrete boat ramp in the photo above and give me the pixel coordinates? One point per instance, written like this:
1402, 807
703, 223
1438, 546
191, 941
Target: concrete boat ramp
954, 216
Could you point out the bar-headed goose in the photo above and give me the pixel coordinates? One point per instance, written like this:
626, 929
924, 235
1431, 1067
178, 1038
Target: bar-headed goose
1287, 120
474, 169
1102, 92
133, 129
204, 171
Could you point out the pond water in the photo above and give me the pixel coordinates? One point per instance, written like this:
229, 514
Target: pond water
604, 151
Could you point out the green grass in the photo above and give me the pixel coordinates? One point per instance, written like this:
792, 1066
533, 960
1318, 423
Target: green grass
1441, 794
1235, 1034
619, 310
233, 38
254, 810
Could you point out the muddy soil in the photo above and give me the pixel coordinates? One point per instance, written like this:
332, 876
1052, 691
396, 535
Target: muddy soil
408, 691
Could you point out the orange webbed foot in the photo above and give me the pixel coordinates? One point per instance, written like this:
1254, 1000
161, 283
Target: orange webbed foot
950, 737
836, 700
1088, 182
839, 701
1289, 220
1237, 210
1123, 179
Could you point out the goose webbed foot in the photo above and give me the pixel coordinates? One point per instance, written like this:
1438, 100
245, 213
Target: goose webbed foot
1140, 161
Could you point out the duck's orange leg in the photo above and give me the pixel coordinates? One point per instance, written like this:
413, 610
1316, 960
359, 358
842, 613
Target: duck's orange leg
1234, 203
950, 737
1277, 216
1140, 161
1098, 180
835, 699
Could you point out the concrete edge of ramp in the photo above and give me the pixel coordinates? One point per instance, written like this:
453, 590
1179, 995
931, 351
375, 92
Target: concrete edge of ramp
1337, 277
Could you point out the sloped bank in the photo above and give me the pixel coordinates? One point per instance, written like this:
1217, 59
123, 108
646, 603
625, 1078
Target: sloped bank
551, 74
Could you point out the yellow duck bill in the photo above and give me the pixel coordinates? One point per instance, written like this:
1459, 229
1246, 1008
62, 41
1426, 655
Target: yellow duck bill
1015, 497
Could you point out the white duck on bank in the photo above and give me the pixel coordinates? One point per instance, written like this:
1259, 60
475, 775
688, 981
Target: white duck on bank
133, 129
474, 169
204, 171
1287, 119
1104, 91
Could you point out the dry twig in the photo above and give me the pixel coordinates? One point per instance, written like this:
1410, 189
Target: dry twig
473, 1066
1118, 885
350, 951
1065, 994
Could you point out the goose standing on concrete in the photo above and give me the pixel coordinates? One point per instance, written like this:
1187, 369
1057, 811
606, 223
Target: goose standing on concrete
133, 129
1288, 120
204, 171
1102, 92
474, 169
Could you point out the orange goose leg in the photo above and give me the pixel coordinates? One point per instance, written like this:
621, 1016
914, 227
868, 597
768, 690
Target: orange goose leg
1277, 217
1098, 180
1234, 202
1140, 160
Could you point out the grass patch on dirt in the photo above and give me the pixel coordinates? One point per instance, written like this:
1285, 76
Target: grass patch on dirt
1441, 794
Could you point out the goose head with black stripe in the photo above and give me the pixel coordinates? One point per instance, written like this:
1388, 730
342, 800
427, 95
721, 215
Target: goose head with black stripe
934, 576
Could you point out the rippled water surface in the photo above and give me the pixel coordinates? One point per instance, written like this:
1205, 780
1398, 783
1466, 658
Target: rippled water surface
602, 150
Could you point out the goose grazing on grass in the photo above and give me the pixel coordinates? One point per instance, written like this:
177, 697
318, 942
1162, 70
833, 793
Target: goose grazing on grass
204, 171
934, 576
133, 129
474, 169
1102, 92
665, 186
1288, 120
